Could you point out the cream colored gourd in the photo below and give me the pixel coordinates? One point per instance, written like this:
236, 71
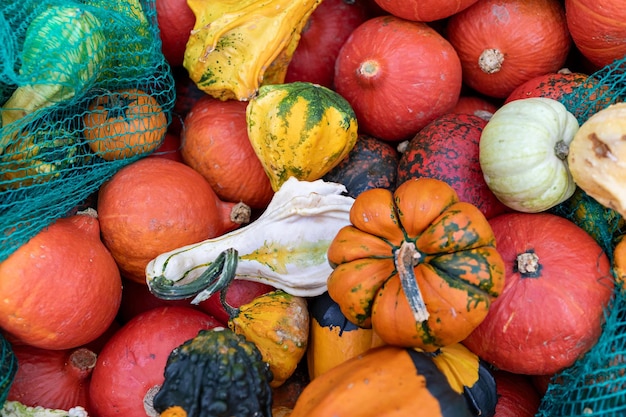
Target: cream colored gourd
285, 247
597, 157
523, 154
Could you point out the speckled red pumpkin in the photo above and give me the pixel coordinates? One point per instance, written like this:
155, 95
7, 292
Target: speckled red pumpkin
372, 163
447, 150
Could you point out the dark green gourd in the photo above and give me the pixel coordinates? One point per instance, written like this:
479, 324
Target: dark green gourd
216, 374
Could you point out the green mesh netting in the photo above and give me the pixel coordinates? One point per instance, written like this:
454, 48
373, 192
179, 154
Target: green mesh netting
57, 57
8, 368
596, 384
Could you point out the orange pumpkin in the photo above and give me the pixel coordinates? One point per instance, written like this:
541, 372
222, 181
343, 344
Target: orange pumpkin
496, 54
418, 266
215, 143
62, 288
155, 205
598, 28
124, 123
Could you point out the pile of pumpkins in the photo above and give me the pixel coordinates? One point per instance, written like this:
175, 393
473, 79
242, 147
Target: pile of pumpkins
405, 215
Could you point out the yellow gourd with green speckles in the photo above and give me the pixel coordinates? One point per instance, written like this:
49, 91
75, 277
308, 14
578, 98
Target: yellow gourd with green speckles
235, 46
300, 130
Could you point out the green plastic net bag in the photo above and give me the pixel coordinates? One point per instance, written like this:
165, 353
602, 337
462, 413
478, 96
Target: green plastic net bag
595, 386
8, 368
85, 90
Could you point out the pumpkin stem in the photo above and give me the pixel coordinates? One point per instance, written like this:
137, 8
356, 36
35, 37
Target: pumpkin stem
369, 70
528, 264
217, 276
405, 259
490, 60
561, 149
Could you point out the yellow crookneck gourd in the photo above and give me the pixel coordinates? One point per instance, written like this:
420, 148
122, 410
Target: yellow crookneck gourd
237, 45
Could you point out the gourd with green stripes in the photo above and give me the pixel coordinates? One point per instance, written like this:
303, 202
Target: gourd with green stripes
300, 130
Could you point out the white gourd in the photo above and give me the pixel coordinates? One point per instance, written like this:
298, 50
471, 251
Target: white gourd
286, 247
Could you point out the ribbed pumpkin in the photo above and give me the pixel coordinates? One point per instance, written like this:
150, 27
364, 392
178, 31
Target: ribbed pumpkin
418, 266
598, 28
300, 130
447, 149
551, 311
496, 54
398, 76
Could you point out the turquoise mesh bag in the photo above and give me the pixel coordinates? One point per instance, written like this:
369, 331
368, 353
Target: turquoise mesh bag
595, 386
57, 57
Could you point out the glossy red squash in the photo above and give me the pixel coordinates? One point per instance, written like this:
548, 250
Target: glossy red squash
424, 11
558, 285
497, 54
598, 28
215, 143
130, 366
517, 395
398, 76
447, 149
322, 37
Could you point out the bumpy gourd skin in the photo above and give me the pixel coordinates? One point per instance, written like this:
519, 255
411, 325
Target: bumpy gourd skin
216, 374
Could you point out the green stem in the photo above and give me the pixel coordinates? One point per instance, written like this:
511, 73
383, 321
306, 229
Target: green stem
405, 259
216, 277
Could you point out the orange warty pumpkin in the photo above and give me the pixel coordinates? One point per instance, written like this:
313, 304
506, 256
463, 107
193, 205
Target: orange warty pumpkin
215, 143
62, 288
155, 205
598, 28
418, 266
496, 54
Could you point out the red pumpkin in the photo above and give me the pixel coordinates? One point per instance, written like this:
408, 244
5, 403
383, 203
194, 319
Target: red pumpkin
215, 143
476, 105
447, 150
131, 364
62, 288
398, 76
557, 287
517, 396
137, 298
326, 30
52, 378
175, 20
497, 54
371, 163
169, 148
569, 88
598, 28
424, 11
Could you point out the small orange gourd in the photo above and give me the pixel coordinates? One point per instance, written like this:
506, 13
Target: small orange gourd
418, 266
